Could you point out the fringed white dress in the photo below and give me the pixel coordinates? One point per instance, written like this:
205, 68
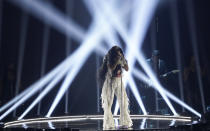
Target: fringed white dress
114, 86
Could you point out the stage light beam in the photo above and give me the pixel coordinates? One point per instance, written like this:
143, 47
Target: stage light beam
37, 86
50, 86
82, 54
45, 11
136, 94
144, 78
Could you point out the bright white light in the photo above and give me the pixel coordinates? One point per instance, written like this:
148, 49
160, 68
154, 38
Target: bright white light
113, 17
140, 75
50, 125
36, 7
60, 22
167, 93
43, 81
33, 89
45, 11
134, 33
82, 54
142, 126
109, 38
47, 89
110, 34
116, 122
156, 83
80, 36
143, 12
7, 105
123, 32
177, 100
136, 94
91, 117
24, 126
138, 34
172, 123
66, 84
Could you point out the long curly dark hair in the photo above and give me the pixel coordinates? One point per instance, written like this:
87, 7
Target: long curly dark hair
111, 58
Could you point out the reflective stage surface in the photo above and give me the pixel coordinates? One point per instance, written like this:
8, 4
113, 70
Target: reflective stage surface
95, 122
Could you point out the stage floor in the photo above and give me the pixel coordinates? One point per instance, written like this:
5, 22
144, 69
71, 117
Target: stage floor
95, 122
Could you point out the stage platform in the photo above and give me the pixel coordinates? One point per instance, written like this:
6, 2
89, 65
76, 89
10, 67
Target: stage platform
95, 122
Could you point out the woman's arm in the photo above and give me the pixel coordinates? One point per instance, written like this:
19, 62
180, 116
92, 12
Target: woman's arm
125, 66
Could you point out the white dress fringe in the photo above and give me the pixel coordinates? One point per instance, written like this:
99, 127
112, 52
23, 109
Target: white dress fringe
114, 86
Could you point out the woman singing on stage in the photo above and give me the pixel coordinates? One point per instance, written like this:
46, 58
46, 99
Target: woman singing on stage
111, 79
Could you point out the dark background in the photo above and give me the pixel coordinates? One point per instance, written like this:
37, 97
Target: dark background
83, 91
